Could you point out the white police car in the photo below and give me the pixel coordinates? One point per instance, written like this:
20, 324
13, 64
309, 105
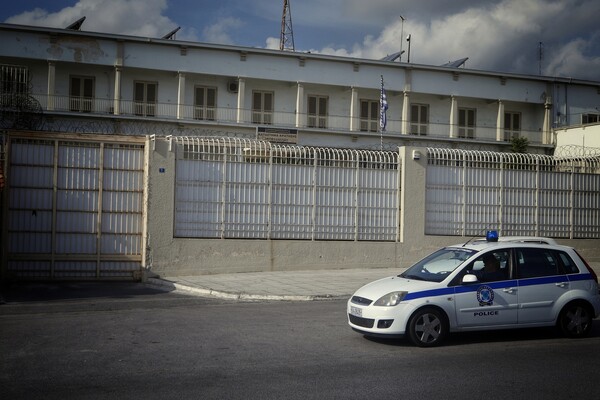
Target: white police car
481, 285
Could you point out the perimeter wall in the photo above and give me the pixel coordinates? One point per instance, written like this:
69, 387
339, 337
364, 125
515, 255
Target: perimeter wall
170, 254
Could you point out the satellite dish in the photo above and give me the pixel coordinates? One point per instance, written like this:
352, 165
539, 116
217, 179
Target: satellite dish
455, 64
75, 26
171, 35
392, 57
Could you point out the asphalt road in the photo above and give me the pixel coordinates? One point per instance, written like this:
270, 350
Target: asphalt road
89, 341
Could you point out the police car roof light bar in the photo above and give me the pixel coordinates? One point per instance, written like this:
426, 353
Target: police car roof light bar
491, 236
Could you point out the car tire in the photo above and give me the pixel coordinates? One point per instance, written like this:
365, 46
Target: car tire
575, 320
428, 327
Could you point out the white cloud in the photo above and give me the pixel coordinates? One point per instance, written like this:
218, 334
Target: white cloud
128, 17
272, 43
495, 36
220, 31
571, 60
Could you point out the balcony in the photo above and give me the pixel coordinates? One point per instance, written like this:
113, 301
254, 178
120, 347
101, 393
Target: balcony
224, 115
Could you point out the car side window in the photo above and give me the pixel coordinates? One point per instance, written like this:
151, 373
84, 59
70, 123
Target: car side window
568, 264
532, 263
489, 267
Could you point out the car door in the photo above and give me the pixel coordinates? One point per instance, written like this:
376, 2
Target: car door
541, 282
486, 302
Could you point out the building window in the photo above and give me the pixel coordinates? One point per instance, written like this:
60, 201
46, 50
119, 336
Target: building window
144, 98
466, 123
590, 118
419, 119
262, 107
205, 103
512, 125
81, 93
14, 81
369, 115
317, 112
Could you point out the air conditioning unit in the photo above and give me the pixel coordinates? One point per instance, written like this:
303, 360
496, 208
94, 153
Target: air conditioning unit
232, 87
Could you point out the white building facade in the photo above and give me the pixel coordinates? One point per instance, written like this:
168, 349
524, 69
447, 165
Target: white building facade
298, 98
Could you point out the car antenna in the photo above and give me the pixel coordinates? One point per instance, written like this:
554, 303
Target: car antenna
486, 229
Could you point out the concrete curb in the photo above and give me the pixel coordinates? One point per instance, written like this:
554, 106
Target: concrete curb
206, 292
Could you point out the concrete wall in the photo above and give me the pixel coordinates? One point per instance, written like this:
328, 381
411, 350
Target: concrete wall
586, 136
169, 256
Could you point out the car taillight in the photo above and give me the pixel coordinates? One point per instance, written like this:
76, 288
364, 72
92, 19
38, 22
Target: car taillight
590, 270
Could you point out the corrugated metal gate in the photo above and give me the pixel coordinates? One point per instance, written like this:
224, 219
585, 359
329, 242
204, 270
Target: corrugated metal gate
469, 192
236, 188
75, 208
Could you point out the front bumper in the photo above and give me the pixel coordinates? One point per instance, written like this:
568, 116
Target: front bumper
378, 321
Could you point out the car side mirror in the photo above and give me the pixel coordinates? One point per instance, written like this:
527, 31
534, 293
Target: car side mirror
470, 278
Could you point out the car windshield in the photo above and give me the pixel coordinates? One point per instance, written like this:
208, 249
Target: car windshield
437, 266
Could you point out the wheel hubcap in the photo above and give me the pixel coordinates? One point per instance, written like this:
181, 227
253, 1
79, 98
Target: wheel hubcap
577, 320
428, 328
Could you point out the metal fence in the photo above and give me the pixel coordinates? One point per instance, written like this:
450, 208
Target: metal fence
238, 188
469, 192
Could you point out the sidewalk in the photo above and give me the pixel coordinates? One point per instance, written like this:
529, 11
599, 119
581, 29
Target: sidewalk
280, 285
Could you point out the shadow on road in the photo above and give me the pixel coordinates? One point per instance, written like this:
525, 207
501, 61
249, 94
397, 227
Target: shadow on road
25, 292
510, 335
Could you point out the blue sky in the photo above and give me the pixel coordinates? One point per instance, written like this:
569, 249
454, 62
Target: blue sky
496, 35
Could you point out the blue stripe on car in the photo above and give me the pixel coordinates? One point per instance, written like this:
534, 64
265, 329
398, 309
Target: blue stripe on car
497, 285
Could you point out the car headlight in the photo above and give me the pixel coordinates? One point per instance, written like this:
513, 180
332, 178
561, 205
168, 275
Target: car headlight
390, 299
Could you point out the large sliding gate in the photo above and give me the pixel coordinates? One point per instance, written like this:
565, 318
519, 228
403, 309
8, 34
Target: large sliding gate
75, 208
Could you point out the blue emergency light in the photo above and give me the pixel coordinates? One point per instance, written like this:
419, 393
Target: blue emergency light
491, 236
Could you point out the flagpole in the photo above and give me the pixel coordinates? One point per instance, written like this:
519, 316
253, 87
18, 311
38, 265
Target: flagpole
382, 114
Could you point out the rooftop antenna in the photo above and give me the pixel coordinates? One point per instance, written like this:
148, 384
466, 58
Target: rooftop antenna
75, 26
286, 40
171, 35
541, 56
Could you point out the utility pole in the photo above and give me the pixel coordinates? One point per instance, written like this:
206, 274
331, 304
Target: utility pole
286, 40
401, 38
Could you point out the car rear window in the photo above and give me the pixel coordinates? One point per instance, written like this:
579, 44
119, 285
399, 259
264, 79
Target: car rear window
533, 263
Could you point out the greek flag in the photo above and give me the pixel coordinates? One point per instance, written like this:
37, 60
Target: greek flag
383, 106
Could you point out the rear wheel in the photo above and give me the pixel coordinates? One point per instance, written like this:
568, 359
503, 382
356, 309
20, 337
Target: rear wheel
575, 320
427, 327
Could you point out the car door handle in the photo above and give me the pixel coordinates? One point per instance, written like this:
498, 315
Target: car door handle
509, 290
562, 284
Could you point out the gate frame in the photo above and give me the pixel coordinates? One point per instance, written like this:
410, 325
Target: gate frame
57, 137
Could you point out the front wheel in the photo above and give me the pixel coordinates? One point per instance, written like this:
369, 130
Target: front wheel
575, 320
428, 327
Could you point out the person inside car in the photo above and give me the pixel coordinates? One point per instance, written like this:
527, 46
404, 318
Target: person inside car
491, 269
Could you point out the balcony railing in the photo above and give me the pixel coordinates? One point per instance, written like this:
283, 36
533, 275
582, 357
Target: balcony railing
193, 113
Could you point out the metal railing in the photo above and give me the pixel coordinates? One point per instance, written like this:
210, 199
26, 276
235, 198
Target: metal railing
192, 113
469, 192
237, 188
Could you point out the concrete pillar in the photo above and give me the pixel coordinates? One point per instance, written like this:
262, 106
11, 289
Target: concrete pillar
51, 85
300, 105
500, 122
240, 99
354, 111
160, 206
117, 99
181, 96
454, 118
406, 114
412, 196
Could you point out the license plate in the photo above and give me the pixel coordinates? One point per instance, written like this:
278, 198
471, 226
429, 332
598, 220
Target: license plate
356, 311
